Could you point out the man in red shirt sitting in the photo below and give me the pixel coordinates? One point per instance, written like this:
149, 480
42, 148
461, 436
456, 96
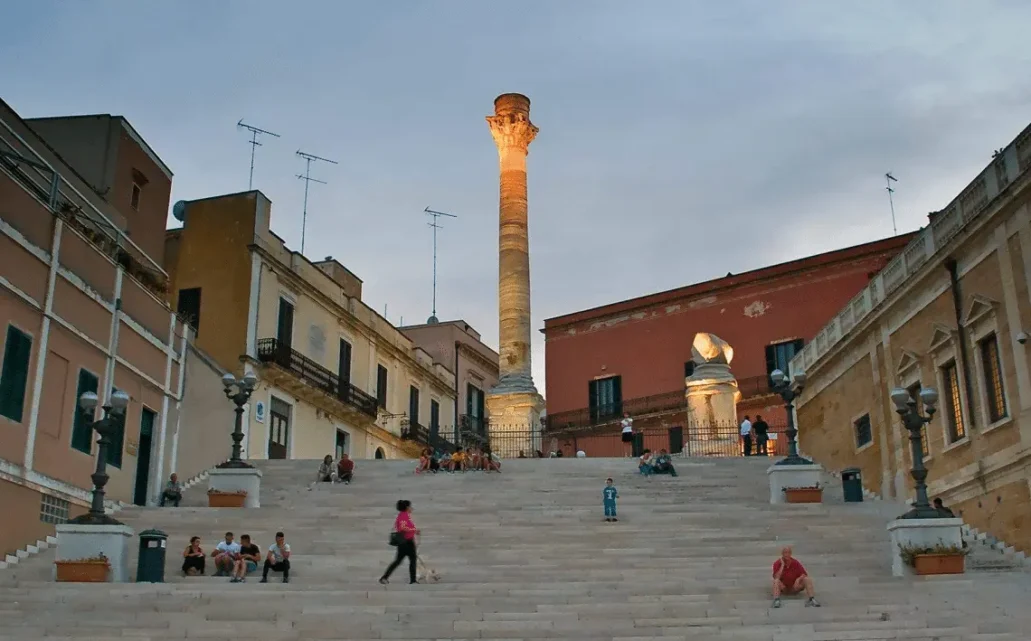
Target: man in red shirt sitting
789, 577
345, 469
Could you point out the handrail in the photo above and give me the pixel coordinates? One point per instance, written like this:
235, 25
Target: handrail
272, 350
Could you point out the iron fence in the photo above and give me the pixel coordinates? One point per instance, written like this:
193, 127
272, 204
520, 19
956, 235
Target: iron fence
272, 350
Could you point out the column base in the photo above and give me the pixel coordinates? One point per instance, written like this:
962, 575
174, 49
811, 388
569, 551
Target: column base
514, 424
784, 476
247, 479
515, 384
921, 533
76, 542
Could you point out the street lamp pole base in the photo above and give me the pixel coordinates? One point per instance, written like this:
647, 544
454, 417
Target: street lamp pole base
922, 512
94, 519
234, 465
794, 459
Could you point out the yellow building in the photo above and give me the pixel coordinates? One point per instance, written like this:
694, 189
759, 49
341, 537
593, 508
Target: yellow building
335, 376
951, 312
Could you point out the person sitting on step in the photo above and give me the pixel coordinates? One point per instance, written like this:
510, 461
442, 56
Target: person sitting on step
664, 464
459, 461
226, 553
345, 469
326, 473
943, 512
435, 461
193, 558
173, 491
491, 462
424, 462
646, 464
790, 577
247, 563
277, 559
475, 460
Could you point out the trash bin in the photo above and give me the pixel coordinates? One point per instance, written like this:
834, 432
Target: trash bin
151, 565
852, 485
637, 445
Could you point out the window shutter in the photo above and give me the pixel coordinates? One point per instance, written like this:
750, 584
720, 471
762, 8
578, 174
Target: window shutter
15, 374
82, 433
771, 359
617, 396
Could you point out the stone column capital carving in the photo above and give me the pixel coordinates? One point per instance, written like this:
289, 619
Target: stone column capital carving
512, 132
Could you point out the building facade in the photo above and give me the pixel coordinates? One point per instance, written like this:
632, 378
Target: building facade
335, 376
951, 312
82, 309
457, 346
634, 355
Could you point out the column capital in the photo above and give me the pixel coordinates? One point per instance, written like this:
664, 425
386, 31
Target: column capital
512, 131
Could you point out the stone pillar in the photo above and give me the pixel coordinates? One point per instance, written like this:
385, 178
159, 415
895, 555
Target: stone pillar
514, 404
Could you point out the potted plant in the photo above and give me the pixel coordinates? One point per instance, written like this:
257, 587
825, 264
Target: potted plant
90, 570
226, 498
935, 559
809, 494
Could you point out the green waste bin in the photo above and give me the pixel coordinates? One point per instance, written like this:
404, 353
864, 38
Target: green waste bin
852, 485
151, 565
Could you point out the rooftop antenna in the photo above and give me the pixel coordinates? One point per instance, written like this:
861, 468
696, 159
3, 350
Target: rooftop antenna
306, 177
888, 178
436, 216
254, 145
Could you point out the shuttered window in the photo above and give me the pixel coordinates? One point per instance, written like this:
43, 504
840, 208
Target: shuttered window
15, 373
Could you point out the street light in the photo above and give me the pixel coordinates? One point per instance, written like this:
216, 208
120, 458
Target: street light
789, 390
114, 414
239, 392
912, 420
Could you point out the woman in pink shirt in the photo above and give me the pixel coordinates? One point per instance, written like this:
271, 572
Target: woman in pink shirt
404, 526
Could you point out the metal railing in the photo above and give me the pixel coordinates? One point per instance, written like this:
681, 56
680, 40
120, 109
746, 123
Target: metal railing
272, 350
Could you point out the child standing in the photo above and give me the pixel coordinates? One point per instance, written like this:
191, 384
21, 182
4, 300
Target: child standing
609, 495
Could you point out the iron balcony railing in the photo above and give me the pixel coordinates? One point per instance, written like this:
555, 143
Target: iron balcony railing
272, 350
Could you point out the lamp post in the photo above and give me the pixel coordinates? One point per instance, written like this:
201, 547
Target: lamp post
789, 390
114, 413
912, 420
239, 392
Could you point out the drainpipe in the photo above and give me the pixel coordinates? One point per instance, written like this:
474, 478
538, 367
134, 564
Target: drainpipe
964, 359
457, 388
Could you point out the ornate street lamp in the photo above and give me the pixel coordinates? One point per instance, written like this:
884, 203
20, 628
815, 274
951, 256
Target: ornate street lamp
789, 390
114, 414
239, 392
905, 406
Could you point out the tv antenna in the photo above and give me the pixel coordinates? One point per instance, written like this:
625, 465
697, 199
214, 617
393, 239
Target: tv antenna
435, 225
254, 145
888, 178
306, 177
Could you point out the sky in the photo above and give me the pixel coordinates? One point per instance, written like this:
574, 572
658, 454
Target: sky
679, 140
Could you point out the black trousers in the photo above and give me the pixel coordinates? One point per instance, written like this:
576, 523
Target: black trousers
761, 441
406, 549
168, 496
194, 562
283, 566
345, 477
747, 438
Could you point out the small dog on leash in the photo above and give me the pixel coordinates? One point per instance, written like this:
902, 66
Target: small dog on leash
426, 574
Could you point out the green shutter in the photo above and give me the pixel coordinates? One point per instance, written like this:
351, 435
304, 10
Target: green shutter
82, 431
117, 444
15, 374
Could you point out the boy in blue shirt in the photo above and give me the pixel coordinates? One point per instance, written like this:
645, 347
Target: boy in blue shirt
608, 496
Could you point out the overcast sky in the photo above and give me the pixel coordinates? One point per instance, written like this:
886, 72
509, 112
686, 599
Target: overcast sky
679, 140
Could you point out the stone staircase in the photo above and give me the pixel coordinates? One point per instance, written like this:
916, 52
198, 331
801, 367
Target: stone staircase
526, 555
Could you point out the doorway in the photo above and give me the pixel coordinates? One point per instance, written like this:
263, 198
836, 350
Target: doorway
278, 429
343, 444
380, 454
139, 495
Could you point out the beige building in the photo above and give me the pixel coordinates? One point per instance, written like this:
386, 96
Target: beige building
951, 312
335, 376
456, 345
82, 308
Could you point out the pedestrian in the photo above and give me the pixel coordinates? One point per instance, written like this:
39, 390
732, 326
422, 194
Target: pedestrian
627, 434
608, 498
746, 435
761, 430
403, 538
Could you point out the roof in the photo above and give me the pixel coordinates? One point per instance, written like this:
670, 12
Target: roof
735, 280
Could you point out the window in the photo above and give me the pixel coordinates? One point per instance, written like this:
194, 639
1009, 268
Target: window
114, 449
992, 368
864, 433
82, 430
914, 393
15, 373
53, 510
953, 407
381, 386
134, 199
688, 369
434, 418
343, 444
285, 324
474, 405
188, 307
413, 405
779, 355
605, 398
344, 363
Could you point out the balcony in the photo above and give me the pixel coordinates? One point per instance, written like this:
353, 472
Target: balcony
274, 351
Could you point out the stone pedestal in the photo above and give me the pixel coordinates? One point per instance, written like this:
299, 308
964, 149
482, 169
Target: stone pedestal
76, 542
782, 476
234, 479
515, 423
921, 533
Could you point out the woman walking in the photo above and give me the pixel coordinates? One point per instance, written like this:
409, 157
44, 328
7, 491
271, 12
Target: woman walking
403, 537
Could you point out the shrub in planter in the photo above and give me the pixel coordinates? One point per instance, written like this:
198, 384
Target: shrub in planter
935, 559
90, 570
812, 494
229, 498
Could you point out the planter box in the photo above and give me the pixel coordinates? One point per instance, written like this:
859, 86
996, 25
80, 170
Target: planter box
926, 564
226, 500
804, 495
82, 571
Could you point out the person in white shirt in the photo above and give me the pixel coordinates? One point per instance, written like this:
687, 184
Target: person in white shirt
226, 553
277, 559
746, 435
628, 434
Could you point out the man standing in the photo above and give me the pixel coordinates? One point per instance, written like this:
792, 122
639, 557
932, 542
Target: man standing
789, 577
746, 435
760, 429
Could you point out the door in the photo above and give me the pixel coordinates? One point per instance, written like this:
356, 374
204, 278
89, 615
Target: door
285, 326
344, 370
342, 446
139, 496
278, 429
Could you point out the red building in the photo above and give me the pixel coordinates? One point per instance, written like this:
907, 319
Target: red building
633, 355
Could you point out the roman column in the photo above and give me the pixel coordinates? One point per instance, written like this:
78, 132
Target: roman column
513, 405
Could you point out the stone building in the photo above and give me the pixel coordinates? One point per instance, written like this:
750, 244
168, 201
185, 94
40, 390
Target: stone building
952, 312
334, 376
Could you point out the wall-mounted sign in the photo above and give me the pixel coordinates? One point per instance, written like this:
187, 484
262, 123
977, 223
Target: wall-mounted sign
259, 411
